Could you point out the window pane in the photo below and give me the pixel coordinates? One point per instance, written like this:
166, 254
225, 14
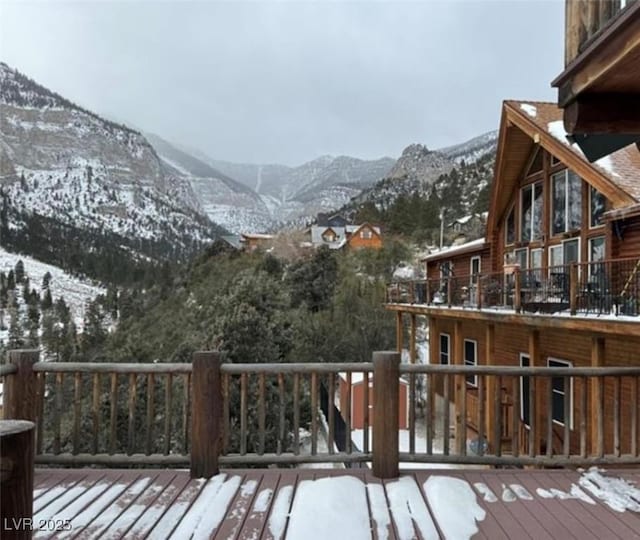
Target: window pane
574, 209
469, 352
525, 221
558, 407
537, 212
559, 182
597, 207
511, 227
444, 349
555, 256
571, 252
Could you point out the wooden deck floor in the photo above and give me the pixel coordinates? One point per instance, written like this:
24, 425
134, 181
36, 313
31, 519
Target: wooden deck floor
337, 504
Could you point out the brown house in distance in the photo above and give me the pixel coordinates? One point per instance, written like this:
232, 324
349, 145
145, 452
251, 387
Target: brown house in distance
555, 284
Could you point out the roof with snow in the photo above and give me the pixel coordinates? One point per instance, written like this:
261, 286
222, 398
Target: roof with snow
525, 124
473, 245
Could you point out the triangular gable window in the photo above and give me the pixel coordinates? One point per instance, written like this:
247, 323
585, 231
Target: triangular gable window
536, 162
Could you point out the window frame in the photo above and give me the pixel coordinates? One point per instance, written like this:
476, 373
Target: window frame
565, 174
441, 353
511, 215
531, 186
593, 189
590, 260
562, 363
471, 380
474, 275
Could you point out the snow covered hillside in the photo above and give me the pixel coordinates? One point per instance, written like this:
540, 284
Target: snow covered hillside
63, 162
77, 292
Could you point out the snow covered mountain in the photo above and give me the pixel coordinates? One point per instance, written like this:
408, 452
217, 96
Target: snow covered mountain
67, 164
320, 185
458, 176
228, 202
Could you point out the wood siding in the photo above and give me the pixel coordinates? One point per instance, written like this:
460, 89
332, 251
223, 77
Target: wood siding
511, 340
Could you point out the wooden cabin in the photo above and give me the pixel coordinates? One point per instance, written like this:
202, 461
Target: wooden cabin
355, 393
599, 88
253, 241
557, 284
364, 236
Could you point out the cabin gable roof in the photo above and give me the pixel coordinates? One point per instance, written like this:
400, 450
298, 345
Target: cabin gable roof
526, 124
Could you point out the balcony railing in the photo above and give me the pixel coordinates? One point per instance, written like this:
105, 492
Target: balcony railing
251, 414
585, 19
598, 288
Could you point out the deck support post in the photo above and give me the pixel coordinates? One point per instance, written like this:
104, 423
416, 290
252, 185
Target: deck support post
492, 387
206, 414
536, 393
412, 339
20, 389
399, 332
386, 395
458, 394
17, 446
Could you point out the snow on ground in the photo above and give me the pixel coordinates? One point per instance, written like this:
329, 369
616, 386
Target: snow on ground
76, 291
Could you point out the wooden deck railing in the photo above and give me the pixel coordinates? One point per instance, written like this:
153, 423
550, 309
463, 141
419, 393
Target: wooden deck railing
215, 414
585, 19
610, 287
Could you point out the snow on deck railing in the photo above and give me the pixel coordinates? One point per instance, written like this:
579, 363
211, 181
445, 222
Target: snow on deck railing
209, 413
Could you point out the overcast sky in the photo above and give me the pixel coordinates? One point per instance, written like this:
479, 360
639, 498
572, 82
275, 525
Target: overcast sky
289, 81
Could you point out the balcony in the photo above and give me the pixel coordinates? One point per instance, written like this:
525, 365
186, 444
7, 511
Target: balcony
145, 422
607, 289
599, 86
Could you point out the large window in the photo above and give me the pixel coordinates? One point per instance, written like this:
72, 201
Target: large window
596, 207
445, 341
471, 359
562, 390
475, 269
567, 202
555, 257
531, 212
597, 254
510, 229
525, 382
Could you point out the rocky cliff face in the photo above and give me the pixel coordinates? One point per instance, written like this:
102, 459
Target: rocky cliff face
224, 200
69, 164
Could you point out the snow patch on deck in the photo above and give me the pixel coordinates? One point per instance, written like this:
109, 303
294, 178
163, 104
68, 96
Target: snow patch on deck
408, 507
330, 508
617, 493
454, 506
280, 512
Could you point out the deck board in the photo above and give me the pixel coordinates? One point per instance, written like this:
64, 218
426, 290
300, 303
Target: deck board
256, 504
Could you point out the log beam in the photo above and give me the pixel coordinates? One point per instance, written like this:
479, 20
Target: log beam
603, 114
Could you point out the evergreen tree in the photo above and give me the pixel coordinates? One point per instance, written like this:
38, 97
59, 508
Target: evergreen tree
19, 271
46, 280
16, 331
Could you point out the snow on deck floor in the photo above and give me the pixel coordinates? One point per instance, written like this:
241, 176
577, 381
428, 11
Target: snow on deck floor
336, 505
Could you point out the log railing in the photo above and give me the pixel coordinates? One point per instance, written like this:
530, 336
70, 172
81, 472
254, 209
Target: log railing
609, 287
584, 19
210, 414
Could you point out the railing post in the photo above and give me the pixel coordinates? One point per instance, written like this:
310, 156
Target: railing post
517, 291
573, 288
427, 288
20, 398
479, 292
386, 395
449, 292
206, 414
17, 446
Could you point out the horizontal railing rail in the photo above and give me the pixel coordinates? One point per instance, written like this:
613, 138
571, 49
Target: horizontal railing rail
209, 413
607, 287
